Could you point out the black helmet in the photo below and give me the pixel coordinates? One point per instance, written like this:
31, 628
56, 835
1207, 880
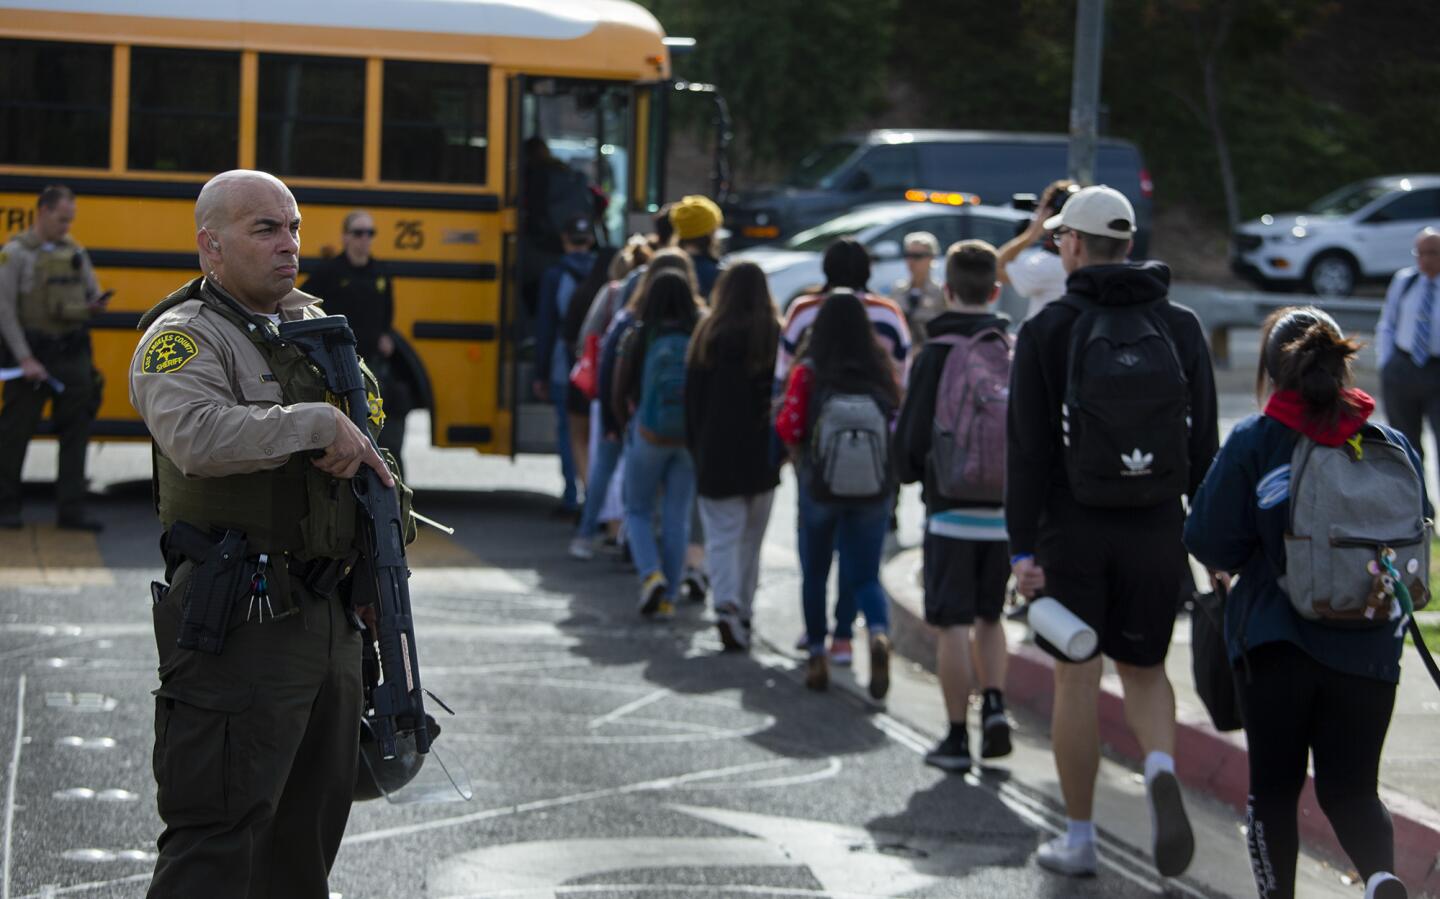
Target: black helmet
375, 776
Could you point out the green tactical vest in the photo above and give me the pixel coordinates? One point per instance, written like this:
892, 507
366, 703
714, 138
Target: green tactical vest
296, 508
55, 303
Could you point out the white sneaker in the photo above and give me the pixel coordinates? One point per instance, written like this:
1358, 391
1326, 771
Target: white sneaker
582, 548
1174, 844
1384, 885
1060, 856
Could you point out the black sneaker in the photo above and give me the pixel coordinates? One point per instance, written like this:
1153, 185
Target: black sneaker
953, 753
696, 584
995, 736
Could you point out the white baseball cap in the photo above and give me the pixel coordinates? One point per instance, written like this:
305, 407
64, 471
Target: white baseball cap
1099, 210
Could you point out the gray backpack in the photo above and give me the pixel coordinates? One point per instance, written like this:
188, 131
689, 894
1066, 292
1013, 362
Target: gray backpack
1350, 506
850, 449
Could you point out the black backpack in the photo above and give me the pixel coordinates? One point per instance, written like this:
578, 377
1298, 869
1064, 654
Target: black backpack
1126, 417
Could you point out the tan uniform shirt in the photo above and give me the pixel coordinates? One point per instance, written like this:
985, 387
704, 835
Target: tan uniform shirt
211, 402
917, 315
17, 277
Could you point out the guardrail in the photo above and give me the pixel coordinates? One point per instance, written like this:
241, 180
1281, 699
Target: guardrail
1221, 310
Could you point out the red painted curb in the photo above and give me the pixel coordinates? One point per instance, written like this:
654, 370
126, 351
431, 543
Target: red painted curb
1205, 759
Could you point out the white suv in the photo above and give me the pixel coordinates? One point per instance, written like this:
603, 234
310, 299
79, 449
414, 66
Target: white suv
1363, 231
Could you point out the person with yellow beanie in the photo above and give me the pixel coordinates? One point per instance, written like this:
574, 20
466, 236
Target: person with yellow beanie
697, 220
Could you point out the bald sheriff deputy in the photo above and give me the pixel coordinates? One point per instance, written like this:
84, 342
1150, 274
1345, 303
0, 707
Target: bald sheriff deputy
258, 709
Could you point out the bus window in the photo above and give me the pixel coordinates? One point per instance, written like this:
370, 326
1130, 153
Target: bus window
311, 116
54, 103
189, 124
433, 122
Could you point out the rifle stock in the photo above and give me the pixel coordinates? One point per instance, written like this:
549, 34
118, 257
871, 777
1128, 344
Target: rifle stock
397, 701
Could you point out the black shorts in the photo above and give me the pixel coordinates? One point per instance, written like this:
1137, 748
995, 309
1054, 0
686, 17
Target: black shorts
1120, 570
964, 580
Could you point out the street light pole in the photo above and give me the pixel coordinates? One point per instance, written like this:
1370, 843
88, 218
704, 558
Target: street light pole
1085, 89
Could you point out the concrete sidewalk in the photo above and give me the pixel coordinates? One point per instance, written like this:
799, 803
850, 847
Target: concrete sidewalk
1216, 763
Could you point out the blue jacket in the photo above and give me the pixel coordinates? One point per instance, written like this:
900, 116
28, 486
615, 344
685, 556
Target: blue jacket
1237, 523
551, 355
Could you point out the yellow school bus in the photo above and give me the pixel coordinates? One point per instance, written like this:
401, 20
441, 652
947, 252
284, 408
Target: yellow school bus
416, 111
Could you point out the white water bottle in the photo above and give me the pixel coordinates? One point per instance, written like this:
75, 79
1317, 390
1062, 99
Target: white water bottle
1062, 628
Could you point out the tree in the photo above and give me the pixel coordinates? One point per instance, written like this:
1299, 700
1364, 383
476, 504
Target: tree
794, 72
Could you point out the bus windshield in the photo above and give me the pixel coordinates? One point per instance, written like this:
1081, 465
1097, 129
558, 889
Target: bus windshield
815, 169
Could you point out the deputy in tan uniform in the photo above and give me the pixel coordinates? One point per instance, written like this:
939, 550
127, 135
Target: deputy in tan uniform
48, 292
258, 709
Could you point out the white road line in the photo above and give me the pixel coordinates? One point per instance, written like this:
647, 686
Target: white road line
627, 708
663, 783
14, 773
86, 887
1117, 857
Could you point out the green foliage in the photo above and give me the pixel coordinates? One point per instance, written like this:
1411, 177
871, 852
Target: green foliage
794, 72
1310, 93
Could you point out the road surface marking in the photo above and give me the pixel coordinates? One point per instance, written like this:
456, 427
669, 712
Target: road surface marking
14, 774
627, 708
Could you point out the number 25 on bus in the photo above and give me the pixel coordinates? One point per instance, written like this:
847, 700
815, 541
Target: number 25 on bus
445, 120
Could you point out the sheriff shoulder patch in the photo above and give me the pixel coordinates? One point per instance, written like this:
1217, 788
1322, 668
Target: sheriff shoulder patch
168, 352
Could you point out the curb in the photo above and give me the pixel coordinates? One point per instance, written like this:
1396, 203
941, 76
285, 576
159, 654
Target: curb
1206, 760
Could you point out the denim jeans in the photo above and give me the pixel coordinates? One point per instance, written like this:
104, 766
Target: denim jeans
558, 393
857, 532
602, 469
651, 471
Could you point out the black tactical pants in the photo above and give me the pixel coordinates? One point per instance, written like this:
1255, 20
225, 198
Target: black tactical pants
72, 412
255, 753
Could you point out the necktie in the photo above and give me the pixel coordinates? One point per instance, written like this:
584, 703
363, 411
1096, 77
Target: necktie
1420, 345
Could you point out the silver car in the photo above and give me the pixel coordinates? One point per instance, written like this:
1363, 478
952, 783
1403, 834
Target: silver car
793, 267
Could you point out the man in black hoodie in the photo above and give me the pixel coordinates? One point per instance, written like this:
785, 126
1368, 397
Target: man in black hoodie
966, 565
1118, 566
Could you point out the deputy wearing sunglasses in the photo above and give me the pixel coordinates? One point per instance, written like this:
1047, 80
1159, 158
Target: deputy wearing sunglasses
355, 284
917, 293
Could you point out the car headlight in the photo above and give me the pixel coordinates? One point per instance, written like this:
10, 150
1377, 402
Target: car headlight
1299, 233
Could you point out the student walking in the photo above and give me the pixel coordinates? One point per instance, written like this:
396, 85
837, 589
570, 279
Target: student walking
649, 400
951, 437
727, 428
835, 420
605, 437
847, 271
1111, 420
1313, 681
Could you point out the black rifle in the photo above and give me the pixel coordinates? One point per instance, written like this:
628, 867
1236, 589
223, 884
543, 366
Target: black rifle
398, 702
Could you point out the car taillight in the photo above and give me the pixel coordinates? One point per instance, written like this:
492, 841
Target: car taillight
1147, 187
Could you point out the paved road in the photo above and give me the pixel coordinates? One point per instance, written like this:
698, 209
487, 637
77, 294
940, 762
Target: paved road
608, 756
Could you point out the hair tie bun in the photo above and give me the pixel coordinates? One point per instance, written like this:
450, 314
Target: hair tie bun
1290, 327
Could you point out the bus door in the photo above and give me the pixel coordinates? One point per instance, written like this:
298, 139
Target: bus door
571, 145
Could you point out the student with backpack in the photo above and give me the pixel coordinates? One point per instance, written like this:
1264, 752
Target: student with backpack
951, 438
1112, 420
847, 270
727, 428
1312, 626
554, 357
835, 418
649, 401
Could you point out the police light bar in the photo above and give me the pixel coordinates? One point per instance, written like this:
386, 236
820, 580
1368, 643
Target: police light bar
942, 197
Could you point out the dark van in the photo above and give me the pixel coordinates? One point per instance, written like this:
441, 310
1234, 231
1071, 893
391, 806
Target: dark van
878, 166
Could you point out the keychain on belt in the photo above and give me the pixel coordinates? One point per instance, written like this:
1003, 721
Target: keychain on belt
259, 594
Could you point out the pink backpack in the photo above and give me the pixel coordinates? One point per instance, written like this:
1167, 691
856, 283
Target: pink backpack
967, 439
